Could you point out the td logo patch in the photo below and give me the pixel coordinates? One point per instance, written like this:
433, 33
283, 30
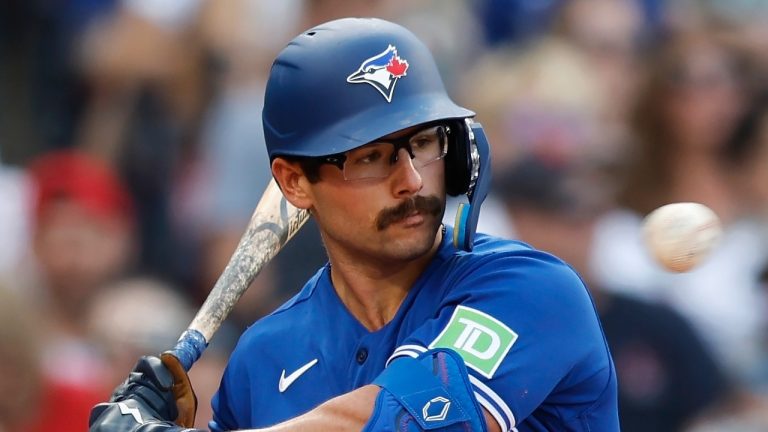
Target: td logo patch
480, 339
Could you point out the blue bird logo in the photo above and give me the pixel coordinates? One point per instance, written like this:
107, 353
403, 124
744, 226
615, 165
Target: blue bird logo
381, 71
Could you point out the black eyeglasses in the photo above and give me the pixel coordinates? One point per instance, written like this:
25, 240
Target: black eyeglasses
375, 160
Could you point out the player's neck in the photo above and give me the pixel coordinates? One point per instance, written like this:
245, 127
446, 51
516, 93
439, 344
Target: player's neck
373, 290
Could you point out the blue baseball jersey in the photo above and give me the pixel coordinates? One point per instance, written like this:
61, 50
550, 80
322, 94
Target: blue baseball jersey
521, 319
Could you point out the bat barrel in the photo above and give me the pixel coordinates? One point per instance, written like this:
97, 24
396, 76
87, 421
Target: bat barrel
189, 348
273, 223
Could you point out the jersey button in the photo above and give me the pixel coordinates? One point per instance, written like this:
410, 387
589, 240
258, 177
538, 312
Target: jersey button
362, 355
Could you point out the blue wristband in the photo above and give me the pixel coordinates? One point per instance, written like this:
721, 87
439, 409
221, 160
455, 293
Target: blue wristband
431, 392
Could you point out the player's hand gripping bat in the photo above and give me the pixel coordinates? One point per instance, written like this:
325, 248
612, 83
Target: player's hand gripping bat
273, 223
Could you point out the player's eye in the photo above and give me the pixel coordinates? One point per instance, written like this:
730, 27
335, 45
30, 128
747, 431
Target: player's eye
365, 157
424, 140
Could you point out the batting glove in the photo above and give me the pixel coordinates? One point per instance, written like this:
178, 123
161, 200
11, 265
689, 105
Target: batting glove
145, 402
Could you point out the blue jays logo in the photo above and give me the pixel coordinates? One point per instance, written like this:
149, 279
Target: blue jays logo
381, 71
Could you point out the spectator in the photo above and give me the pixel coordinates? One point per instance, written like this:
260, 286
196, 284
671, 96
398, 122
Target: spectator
82, 239
695, 95
614, 36
147, 79
31, 401
554, 186
546, 101
667, 376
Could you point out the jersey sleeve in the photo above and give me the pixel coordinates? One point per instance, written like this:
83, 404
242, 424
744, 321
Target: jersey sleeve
527, 330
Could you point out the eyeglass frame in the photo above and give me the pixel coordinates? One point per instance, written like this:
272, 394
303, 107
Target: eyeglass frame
404, 142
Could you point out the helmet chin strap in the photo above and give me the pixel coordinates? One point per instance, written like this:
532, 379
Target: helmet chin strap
468, 213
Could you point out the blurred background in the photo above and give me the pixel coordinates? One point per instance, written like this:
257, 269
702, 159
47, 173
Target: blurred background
132, 155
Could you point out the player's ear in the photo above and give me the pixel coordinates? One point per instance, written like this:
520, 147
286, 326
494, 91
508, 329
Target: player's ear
292, 181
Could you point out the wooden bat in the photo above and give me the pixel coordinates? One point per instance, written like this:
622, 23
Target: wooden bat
273, 223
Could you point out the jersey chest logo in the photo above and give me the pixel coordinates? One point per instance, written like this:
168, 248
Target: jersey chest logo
286, 381
481, 340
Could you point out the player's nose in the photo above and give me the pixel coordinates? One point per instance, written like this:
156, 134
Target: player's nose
406, 179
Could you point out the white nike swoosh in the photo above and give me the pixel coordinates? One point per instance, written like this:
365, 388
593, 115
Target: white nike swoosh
286, 381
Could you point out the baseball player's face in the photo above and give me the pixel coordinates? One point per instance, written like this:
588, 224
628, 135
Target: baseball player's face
392, 218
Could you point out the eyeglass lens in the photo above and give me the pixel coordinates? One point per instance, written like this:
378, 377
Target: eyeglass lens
375, 160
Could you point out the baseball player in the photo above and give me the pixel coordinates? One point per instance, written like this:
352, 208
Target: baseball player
411, 325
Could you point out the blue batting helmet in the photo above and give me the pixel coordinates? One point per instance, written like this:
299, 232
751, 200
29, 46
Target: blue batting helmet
348, 82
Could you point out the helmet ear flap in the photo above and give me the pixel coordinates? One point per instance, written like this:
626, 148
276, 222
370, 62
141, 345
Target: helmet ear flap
458, 160
468, 171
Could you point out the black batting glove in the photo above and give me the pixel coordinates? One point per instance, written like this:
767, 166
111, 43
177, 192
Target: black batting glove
143, 403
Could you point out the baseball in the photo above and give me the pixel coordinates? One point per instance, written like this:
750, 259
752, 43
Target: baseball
681, 235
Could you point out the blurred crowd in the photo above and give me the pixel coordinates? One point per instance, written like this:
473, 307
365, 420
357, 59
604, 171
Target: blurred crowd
132, 156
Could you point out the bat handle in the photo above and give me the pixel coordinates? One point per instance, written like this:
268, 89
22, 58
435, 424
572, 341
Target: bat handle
189, 348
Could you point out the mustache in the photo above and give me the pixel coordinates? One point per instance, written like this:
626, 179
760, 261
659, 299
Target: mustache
429, 205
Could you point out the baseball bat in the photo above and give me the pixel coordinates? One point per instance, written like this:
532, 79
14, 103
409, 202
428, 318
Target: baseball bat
274, 222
